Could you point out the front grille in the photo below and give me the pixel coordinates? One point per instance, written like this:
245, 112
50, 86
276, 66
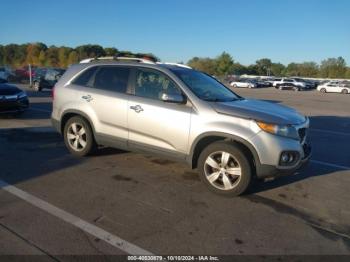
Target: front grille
302, 134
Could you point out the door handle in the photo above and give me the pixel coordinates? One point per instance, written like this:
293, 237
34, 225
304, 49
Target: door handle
87, 98
137, 108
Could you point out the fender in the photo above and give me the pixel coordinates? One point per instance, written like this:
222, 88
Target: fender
225, 135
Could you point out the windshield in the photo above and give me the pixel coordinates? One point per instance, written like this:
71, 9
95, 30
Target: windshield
205, 87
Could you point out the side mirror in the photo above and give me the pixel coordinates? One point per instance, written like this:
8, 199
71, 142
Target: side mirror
173, 98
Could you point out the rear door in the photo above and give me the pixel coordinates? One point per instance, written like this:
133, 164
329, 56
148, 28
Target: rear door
106, 97
152, 123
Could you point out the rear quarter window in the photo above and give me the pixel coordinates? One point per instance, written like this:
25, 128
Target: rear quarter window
84, 78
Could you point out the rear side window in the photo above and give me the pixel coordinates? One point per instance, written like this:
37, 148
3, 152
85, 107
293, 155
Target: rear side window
84, 78
112, 78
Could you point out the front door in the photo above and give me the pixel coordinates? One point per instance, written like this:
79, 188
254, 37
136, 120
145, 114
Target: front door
155, 124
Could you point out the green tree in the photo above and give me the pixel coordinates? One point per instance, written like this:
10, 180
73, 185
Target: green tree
263, 66
277, 69
206, 65
52, 59
333, 68
111, 51
73, 58
223, 64
42, 58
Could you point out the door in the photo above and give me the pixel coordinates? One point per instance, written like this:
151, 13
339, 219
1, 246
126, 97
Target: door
153, 123
106, 100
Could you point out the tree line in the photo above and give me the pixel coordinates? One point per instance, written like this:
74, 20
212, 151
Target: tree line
39, 54
224, 65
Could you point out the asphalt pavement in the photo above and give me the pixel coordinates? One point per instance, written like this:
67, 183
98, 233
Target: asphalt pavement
118, 202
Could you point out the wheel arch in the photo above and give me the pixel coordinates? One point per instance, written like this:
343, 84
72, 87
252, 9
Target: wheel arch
205, 139
71, 113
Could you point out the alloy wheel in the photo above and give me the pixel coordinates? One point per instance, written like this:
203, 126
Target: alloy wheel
222, 170
76, 136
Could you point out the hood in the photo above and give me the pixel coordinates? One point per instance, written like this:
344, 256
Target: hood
260, 110
8, 90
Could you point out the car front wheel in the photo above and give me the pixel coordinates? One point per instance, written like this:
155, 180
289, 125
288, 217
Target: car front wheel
323, 90
78, 136
225, 169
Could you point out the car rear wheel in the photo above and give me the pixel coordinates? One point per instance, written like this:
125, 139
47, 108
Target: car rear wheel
344, 91
78, 136
323, 90
225, 169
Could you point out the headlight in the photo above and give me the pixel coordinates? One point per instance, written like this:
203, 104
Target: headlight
21, 95
281, 130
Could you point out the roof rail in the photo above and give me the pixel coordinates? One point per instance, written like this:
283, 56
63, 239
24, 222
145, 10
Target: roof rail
175, 64
117, 58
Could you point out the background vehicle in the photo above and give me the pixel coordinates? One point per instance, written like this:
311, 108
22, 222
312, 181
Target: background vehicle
12, 99
229, 140
5, 73
23, 75
335, 87
46, 78
247, 83
262, 83
290, 83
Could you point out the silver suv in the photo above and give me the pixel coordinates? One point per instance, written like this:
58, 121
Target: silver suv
180, 113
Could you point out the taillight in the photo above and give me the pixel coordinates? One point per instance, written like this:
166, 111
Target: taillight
53, 93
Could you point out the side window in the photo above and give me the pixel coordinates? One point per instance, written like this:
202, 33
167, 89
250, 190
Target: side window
112, 78
152, 84
84, 78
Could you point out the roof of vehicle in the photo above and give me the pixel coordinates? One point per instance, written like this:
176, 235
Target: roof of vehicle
130, 60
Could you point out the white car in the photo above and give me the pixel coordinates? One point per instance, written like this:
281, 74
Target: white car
246, 84
290, 81
335, 87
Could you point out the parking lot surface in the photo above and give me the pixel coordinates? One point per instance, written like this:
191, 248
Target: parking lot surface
118, 202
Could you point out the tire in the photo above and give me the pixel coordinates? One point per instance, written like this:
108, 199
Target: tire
36, 86
84, 141
210, 164
296, 89
323, 90
344, 91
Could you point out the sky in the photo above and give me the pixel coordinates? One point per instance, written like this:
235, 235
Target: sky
177, 30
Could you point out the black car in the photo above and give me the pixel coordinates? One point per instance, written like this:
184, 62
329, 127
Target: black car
12, 99
288, 86
46, 78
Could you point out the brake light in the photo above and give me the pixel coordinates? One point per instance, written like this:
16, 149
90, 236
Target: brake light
53, 93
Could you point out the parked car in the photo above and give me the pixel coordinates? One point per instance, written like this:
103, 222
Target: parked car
228, 138
12, 99
262, 83
6, 73
46, 78
247, 83
273, 81
290, 84
307, 84
335, 87
23, 74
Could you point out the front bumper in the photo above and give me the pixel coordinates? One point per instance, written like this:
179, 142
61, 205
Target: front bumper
267, 171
